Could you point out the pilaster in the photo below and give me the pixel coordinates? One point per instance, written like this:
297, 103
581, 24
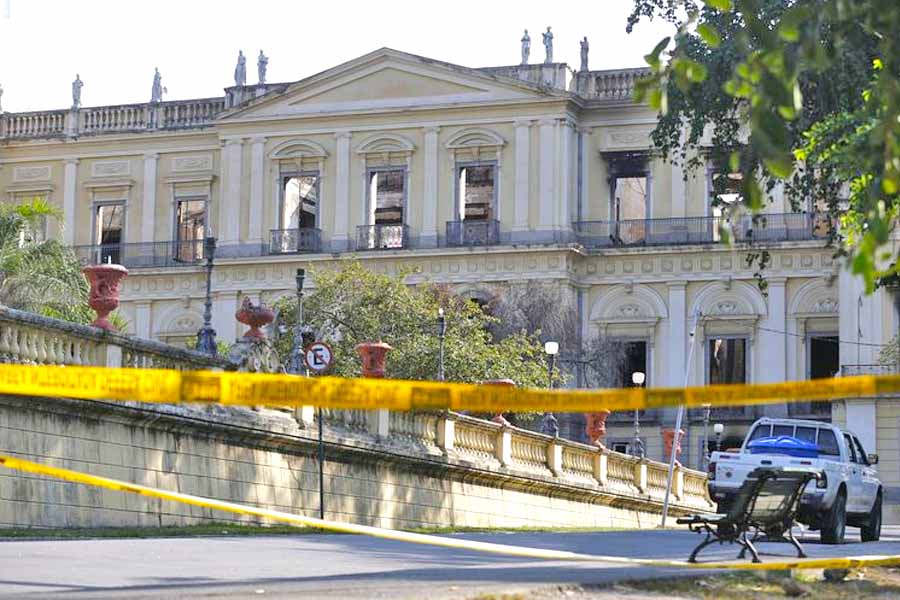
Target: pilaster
523, 172
70, 177
224, 307
257, 181
546, 173
430, 213
142, 319
341, 235
148, 198
230, 207
676, 346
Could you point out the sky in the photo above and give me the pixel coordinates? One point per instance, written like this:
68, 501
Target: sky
115, 45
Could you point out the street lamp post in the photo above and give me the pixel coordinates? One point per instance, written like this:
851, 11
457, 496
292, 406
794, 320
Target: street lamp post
442, 331
707, 410
206, 337
552, 349
719, 429
297, 364
637, 447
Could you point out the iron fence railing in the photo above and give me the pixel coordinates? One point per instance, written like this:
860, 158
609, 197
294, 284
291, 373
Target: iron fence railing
145, 254
473, 233
294, 241
702, 230
879, 369
382, 237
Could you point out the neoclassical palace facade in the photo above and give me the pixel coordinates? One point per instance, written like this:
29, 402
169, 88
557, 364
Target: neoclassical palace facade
480, 178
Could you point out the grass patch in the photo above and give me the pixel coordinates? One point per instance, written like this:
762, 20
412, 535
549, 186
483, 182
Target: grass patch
876, 582
223, 529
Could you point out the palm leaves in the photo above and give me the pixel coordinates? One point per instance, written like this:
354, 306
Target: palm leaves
38, 275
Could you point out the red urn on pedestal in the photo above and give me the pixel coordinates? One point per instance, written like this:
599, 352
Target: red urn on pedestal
595, 426
668, 438
104, 296
373, 355
499, 418
254, 316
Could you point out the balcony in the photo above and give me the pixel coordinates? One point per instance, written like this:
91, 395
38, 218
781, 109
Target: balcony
473, 233
295, 241
382, 237
146, 255
702, 230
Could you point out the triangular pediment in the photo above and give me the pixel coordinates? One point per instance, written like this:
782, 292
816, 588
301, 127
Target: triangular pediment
383, 80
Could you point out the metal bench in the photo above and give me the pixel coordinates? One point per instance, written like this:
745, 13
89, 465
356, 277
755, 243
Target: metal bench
766, 504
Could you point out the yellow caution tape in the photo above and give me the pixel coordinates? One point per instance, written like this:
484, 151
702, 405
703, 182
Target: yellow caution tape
433, 540
255, 389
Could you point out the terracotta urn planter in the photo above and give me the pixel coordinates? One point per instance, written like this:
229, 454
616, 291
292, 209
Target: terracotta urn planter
668, 438
104, 295
595, 426
499, 418
254, 316
373, 355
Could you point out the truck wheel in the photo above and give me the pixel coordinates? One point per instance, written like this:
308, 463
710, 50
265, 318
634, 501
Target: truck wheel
834, 523
871, 531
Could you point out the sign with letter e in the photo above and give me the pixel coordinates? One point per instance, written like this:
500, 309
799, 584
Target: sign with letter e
318, 357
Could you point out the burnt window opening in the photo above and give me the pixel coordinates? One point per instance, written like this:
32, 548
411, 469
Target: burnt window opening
629, 185
387, 192
300, 202
727, 360
109, 223
476, 188
190, 229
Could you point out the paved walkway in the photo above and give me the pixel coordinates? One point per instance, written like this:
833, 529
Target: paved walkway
342, 566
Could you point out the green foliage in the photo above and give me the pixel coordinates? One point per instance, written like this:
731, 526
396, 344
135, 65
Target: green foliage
355, 305
818, 84
39, 276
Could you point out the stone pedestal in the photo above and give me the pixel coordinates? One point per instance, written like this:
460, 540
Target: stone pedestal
104, 295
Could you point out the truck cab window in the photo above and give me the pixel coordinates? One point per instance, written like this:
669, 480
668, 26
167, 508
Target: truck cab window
779, 430
761, 431
806, 434
827, 443
863, 458
851, 449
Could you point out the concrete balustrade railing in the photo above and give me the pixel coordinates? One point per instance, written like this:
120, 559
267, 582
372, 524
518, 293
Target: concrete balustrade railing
487, 445
27, 338
124, 118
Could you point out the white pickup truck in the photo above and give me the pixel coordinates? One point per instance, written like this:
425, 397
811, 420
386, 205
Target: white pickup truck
850, 492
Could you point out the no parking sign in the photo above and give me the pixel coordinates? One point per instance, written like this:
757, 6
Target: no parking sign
318, 357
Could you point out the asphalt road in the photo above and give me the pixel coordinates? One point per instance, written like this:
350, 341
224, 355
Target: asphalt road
343, 566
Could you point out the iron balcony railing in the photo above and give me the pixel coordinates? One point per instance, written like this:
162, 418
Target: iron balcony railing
295, 241
702, 230
879, 369
382, 237
473, 233
146, 254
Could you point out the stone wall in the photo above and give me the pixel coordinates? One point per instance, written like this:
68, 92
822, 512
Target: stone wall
267, 458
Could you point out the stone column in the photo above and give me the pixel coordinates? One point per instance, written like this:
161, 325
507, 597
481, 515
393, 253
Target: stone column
523, 172
70, 178
771, 365
430, 213
230, 206
679, 198
563, 203
148, 199
546, 175
257, 186
341, 236
143, 325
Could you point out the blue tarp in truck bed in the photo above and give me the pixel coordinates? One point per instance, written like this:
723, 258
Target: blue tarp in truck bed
783, 444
